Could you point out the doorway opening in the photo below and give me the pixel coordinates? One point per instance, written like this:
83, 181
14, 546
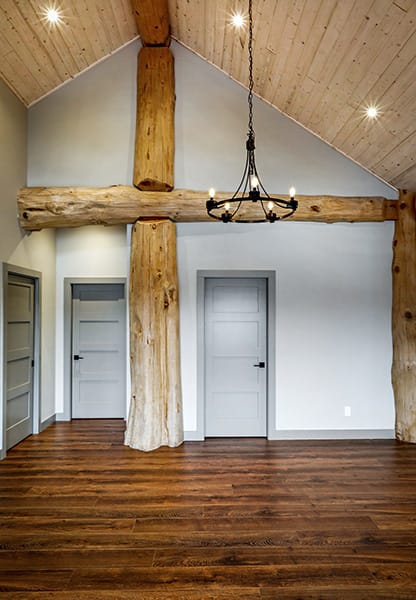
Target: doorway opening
236, 353
95, 373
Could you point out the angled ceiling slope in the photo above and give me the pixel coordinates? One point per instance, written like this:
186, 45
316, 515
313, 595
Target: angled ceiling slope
321, 62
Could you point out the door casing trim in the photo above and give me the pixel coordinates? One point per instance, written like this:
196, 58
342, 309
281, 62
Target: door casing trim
270, 277
66, 415
36, 278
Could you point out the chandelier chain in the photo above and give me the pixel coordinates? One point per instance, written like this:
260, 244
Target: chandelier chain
250, 70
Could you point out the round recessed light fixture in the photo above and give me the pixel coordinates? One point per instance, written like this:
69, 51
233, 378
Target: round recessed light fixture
372, 112
238, 20
52, 15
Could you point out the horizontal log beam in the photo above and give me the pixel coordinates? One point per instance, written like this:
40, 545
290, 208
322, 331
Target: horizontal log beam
46, 207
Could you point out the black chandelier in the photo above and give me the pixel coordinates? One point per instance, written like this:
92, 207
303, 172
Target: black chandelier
251, 188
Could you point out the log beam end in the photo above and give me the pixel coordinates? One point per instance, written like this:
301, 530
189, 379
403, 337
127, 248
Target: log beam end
153, 185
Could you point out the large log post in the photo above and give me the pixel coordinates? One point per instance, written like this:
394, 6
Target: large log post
155, 417
404, 318
152, 19
155, 124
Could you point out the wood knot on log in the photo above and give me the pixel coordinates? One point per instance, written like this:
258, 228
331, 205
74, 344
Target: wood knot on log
408, 315
315, 208
396, 269
403, 205
169, 297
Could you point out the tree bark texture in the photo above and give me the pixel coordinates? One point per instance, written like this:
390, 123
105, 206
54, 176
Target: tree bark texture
152, 19
155, 121
404, 318
155, 416
56, 207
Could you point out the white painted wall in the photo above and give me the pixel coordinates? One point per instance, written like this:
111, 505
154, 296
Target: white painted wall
92, 251
83, 134
333, 301
333, 281
35, 252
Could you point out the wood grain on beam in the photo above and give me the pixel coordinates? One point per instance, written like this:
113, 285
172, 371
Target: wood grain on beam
404, 318
43, 207
152, 19
155, 122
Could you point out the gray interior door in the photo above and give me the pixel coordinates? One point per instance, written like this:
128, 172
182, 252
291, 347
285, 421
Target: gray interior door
235, 357
19, 358
99, 351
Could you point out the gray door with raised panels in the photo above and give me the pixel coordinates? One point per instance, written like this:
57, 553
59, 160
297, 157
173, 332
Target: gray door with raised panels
236, 357
99, 351
19, 358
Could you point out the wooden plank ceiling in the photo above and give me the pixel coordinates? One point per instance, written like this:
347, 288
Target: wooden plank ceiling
322, 62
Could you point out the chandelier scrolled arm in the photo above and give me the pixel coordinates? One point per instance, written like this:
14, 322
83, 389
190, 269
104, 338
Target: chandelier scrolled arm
252, 190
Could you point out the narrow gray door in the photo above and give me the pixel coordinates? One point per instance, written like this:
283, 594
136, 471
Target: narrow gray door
19, 358
235, 357
99, 351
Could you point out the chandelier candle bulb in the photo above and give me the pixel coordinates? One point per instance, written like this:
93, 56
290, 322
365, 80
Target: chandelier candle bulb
211, 193
292, 192
254, 182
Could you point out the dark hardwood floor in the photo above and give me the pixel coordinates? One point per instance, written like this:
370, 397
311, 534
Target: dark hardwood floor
84, 517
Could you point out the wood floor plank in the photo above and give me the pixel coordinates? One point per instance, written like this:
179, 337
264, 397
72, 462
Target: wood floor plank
39, 524
84, 517
352, 592
249, 594
217, 577
45, 579
32, 560
253, 524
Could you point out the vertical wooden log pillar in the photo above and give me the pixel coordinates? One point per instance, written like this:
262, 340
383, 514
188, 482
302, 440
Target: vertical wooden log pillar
155, 417
404, 318
155, 136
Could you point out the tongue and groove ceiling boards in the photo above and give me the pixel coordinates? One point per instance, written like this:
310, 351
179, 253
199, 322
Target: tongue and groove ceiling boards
321, 62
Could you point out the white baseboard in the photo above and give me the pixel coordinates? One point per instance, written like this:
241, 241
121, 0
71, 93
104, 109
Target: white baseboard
193, 436
47, 422
314, 434
333, 434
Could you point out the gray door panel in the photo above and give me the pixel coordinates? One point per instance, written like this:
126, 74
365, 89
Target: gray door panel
236, 341
19, 360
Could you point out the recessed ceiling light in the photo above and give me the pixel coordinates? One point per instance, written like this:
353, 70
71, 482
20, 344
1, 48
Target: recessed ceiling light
52, 15
372, 112
238, 20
